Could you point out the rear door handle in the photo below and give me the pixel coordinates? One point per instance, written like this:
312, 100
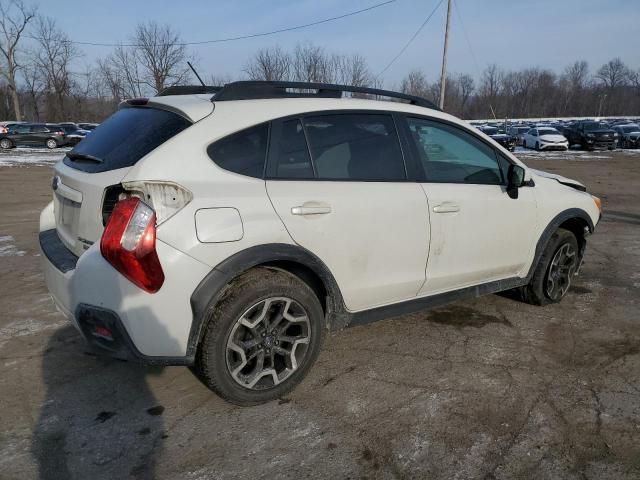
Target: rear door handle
310, 210
446, 207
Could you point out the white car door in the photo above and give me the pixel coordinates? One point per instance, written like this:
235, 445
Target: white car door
478, 233
344, 196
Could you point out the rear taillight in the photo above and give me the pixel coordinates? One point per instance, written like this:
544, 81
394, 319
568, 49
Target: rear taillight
128, 243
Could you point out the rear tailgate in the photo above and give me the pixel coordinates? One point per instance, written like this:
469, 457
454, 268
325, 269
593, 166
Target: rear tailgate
102, 160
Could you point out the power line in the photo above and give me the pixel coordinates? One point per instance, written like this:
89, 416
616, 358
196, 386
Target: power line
239, 37
410, 40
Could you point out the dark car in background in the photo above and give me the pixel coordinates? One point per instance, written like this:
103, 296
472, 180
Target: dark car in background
87, 126
504, 139
73, 133
34, 135
591, 135
628, 135
517, 131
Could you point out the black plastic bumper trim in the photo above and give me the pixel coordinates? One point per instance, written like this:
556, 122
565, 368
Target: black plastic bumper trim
58, 254
120, 346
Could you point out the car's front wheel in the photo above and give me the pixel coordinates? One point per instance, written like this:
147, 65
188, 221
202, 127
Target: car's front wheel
6, 144
51, 143
261, 338
552, 277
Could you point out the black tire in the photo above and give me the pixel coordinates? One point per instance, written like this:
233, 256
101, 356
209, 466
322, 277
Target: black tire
51, 143
6, 144
246, 292
536, 292
524, 144
537, 146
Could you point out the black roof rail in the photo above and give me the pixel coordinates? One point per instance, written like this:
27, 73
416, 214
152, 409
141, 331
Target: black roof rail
188, 90
252, 90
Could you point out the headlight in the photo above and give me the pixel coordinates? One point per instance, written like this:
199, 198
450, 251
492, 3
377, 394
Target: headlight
590, 135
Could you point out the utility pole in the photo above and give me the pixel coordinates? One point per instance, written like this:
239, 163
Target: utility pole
443, 76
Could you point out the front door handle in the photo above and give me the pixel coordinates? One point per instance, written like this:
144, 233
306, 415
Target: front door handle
446, 207
311, 210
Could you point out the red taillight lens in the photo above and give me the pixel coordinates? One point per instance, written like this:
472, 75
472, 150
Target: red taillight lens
129, 244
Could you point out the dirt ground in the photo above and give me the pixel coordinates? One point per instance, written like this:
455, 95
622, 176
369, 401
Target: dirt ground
487, 389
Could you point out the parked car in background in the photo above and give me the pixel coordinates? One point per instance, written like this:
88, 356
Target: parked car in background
4, 126
628, 135
591, 135
545, 138
73, 133
87, 126
504, 139
33, 134
518, 132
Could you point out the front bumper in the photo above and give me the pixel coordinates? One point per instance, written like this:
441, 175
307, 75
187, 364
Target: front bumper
152, 328
554, 146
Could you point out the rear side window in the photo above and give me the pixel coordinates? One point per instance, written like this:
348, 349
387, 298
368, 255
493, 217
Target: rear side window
290, 156
361, 147
126, 137
243, 152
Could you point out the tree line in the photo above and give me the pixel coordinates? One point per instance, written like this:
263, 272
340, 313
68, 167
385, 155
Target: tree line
42, 77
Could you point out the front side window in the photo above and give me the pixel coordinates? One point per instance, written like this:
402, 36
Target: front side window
451, 155
361, 147
242, 152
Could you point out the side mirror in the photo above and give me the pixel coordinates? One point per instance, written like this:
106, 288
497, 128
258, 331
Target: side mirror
515, 180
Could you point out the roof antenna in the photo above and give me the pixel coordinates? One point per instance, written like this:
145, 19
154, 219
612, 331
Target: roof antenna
196, 73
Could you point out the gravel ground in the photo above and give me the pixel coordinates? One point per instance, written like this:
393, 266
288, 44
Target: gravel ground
488, 388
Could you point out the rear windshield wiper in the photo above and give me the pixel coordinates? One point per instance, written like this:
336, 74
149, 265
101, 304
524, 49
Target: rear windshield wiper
83, 156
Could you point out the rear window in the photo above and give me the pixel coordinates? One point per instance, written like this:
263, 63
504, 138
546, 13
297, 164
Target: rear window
124, 138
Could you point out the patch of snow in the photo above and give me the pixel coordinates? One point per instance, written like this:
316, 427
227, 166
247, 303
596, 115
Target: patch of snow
29, 326
31, 156
8, 249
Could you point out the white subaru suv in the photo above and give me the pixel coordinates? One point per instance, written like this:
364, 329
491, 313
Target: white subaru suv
228, 228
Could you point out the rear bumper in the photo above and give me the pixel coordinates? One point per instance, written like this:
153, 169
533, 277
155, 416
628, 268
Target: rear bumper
150, 328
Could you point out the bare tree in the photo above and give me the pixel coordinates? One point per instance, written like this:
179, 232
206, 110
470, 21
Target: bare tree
14, 18
467, 86
415, 83
614, 73
351, 70
120, 72
270, 64
311, 64
35, 85
161, 55
54, 57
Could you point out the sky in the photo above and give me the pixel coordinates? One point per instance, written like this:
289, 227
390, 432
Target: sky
513, 34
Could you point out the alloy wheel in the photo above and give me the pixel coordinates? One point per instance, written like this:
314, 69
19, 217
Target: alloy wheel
561, 270
268, 343
52, 143
5, 144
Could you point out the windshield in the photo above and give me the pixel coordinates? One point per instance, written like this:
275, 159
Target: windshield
630, 128
593, 126
548, 131
124, 138
490, 130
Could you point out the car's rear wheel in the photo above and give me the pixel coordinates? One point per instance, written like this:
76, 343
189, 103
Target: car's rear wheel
524, 144
552, 277
6, 144
261, 338
51, 143
537, 146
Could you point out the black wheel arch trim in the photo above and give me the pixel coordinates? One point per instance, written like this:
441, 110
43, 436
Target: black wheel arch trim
211, 288
554, 224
